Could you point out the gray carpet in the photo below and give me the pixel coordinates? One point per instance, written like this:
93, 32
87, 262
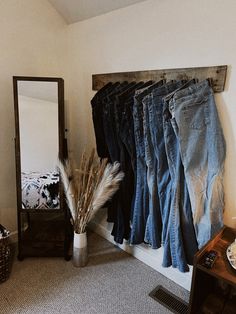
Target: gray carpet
113, 282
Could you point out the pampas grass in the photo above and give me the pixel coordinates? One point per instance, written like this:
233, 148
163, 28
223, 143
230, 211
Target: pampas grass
88, 187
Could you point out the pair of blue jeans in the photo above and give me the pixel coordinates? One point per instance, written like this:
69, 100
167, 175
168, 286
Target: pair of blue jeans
124, 197
180, 242
140, 230
97, 115
163, 141
196, 166
110, 136
154, 106
203, 150
121, 227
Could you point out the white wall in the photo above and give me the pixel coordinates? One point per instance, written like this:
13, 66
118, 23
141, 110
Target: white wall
156, 35
33, 42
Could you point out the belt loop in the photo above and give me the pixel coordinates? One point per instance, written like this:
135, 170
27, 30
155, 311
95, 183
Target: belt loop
171, 107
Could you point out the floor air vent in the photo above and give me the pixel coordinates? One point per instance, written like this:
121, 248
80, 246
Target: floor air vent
169, 300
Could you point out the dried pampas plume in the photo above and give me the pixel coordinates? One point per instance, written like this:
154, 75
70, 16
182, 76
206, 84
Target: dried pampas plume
68, 186
88, 187
108, 185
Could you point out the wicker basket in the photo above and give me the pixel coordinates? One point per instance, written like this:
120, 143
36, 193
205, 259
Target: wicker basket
5, 254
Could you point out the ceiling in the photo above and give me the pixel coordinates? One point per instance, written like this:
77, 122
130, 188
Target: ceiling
79, 10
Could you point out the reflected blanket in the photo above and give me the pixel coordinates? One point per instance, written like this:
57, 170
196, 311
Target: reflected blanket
40, 191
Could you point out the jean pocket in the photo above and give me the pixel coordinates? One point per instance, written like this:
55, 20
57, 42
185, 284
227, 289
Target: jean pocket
195, 113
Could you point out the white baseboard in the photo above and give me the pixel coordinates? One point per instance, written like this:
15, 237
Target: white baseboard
150, 257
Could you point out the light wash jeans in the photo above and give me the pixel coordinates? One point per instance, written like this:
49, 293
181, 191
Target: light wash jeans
203, 150
179, 248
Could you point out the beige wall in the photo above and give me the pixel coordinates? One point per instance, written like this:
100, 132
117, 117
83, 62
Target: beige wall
33, 42
155, 35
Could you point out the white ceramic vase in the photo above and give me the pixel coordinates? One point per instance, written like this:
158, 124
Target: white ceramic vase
80, 249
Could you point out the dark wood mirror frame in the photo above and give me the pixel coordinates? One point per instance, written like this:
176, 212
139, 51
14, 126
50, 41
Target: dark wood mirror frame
23, 250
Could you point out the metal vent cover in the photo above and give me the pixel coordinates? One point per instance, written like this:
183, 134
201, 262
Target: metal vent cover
169, 300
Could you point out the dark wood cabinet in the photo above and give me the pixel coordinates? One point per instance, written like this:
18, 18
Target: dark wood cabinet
214, 290
44, 227
44, 234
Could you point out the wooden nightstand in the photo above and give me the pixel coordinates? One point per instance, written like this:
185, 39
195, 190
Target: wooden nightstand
211, 290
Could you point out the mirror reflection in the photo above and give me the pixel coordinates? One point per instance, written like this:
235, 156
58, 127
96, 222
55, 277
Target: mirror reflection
39, 144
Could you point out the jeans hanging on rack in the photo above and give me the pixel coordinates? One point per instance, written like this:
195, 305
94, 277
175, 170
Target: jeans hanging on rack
141, 201
112, 143
180, 245
121, 228
155, 108
170, 183
97, 109
121, 203
109, 122
202, 148
126, 134
169, 141
140, 213
126, 131
153, 227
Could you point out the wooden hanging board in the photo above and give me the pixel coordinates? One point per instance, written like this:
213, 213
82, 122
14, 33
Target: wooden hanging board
217, 74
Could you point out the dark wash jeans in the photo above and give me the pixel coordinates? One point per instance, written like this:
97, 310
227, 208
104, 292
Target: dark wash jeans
141, 202
97, 115
126, 129
121, 228
126, 134
109, 121
120, 209
112, 142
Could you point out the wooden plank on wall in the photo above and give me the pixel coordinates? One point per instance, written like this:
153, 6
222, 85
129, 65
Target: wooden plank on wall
217, 74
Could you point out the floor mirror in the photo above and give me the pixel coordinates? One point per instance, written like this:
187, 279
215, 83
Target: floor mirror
43, 219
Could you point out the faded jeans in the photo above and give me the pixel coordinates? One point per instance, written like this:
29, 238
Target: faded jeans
203, 150
174, 201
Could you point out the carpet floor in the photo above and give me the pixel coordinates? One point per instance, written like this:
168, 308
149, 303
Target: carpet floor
113, 282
